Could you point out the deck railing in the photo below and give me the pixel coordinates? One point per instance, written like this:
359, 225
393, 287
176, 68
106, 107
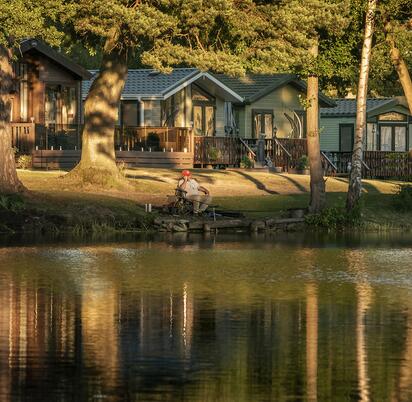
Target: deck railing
217, 151
68, 137
170, 139
23, 137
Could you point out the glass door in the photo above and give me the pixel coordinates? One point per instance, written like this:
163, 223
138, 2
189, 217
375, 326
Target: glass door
262, 123
209, 128
386, 138
198, 120
203, 112
400, 138
393, 138
50, 106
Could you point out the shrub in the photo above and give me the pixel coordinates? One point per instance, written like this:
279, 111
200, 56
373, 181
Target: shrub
13, 203
213, 153
335, 218
402, 200
24, 162
246, 162
303, 163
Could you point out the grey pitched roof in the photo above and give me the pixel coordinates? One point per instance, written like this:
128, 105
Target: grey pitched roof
148, 83
347, 107
29, 44
252, 87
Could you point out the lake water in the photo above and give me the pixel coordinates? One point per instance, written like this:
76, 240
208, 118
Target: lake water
285, 318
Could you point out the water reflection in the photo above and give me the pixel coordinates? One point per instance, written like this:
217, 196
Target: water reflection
226, 322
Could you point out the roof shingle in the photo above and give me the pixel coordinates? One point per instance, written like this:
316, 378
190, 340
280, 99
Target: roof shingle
147, 82
347, 107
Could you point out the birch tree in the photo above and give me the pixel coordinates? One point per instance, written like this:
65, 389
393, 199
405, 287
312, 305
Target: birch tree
355, 178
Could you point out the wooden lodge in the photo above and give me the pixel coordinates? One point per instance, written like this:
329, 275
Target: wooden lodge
190, 118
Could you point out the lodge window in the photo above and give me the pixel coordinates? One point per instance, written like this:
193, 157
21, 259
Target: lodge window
346, 137
129, 113
262, 123
60, 105
24, 91
173, 110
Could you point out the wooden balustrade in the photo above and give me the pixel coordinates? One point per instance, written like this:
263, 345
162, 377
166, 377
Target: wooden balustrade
23, 137
178, 139
217, 151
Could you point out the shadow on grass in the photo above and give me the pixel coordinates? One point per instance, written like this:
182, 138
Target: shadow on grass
299, 186
143, 177
258, 183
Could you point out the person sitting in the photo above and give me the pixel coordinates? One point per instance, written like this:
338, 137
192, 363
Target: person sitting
192, 190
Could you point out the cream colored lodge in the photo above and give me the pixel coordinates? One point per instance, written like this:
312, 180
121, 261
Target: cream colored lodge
214, 104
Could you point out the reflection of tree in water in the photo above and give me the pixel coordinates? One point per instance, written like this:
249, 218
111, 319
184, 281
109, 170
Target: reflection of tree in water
191, 330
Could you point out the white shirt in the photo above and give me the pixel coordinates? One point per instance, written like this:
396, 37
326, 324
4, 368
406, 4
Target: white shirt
191, 187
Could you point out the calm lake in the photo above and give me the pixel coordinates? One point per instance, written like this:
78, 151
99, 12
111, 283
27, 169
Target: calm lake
226, 318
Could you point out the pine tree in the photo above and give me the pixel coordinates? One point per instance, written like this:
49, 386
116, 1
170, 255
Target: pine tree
207, 35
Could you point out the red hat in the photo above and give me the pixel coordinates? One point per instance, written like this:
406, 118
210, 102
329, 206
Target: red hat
186, 173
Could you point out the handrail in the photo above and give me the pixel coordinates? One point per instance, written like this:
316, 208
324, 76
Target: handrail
365, 165
283, 148
329, 161
247, 147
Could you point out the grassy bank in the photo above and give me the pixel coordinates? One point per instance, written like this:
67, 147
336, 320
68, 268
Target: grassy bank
54, 205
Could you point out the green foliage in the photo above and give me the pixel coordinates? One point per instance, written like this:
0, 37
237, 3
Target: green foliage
12, 203
24, 162
402, 200
303, 163
246, 163
21, 19
213, 153
335, 218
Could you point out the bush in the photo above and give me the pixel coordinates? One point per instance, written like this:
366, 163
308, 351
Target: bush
303, 163
335, 218
246, 163
24, 162
402, 200
213, 153
13, 203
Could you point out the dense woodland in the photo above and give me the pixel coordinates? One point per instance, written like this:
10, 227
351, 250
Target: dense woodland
323, 41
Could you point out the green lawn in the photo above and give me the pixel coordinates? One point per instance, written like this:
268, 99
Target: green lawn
257, 194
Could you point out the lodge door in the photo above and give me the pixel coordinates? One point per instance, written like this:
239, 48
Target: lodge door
204, 120
393, 137
51, 105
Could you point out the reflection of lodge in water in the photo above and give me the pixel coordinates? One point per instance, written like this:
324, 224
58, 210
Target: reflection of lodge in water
54, 342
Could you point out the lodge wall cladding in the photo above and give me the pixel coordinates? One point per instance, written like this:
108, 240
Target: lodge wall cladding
52, 73
282, 100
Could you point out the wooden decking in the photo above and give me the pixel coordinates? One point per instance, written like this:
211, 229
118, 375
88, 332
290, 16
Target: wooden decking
67, 159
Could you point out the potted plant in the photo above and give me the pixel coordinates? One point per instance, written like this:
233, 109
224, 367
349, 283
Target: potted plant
246, 163
302, 167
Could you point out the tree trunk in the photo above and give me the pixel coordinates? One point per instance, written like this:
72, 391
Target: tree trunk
98, 162
317, 183
400, 65
9, 182
355, 180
